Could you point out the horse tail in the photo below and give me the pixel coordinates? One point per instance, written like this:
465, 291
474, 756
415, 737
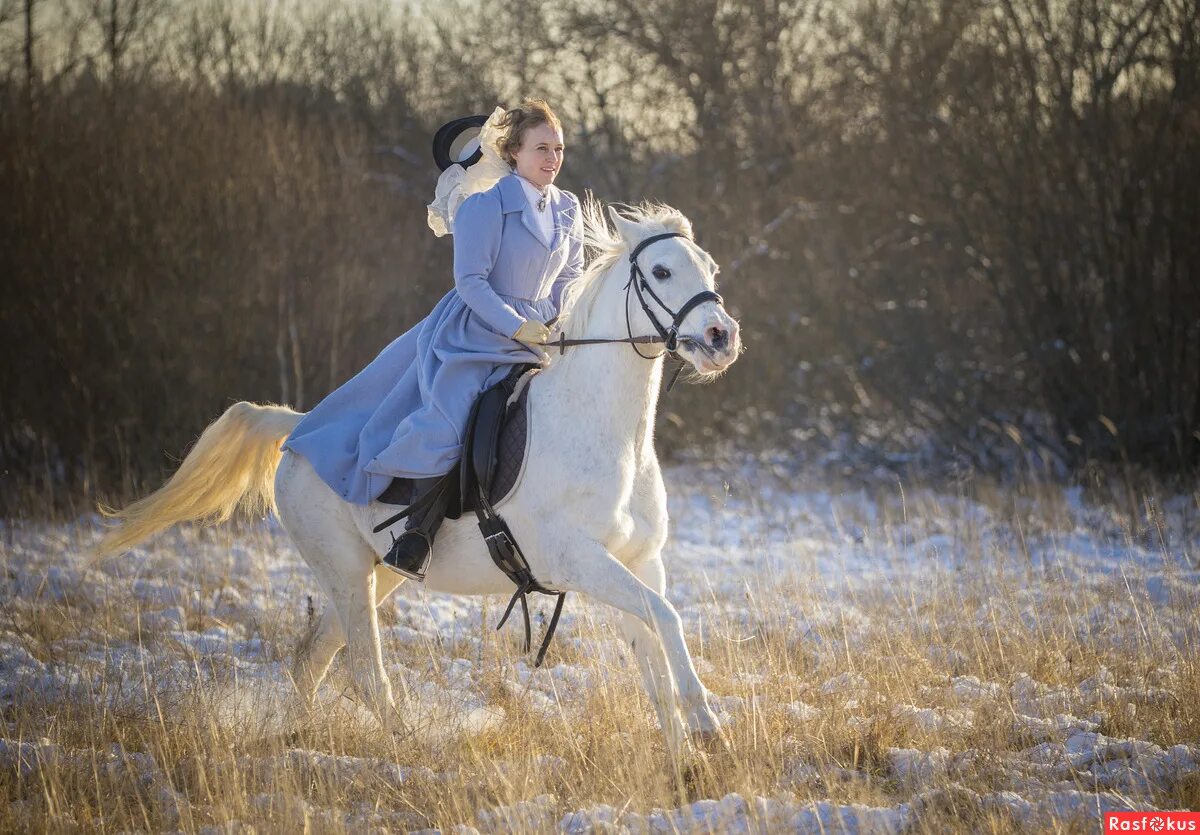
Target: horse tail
232, 465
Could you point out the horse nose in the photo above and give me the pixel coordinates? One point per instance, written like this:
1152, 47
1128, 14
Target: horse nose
722, 334
718, 337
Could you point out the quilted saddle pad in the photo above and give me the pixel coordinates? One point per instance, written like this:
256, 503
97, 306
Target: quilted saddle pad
514, 441
510, 453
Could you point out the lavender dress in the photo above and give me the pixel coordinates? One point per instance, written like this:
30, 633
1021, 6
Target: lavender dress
404, 414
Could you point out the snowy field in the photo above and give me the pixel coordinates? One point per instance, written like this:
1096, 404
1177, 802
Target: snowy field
886, 658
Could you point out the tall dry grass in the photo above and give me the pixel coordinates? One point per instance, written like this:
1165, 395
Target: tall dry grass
940, 227
947, 590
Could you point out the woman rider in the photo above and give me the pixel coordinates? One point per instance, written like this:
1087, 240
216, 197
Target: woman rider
516, 246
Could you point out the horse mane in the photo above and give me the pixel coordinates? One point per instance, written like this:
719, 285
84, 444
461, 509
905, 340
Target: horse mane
607, 247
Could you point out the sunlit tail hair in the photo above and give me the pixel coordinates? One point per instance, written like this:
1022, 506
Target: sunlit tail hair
232, 464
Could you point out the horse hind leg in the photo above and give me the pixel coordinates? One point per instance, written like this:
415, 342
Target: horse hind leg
317, 648
325, 534
355, 603
315, 652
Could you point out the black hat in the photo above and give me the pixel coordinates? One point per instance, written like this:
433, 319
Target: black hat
458, 141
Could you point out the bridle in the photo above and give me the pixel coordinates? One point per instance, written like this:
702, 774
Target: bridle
667, 336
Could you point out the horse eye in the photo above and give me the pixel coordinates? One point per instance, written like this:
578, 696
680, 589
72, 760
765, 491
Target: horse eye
661, 273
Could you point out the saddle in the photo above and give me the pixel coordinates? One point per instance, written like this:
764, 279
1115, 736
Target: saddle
493, 455
493, 449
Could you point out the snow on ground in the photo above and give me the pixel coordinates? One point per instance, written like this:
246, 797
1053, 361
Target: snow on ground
771, 555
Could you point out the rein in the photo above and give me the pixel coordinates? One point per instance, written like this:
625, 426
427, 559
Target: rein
669, 336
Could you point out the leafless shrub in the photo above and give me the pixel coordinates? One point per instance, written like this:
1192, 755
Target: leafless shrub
952, 231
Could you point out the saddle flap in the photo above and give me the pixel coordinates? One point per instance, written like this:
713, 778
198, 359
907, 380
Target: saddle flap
485, 434
482, 438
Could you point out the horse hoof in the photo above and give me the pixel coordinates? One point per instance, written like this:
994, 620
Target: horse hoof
694, 772
711, 740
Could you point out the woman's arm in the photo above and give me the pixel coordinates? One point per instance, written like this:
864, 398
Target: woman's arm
478, 226
574, 265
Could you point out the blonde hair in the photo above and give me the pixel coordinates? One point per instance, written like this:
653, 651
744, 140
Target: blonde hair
517, 120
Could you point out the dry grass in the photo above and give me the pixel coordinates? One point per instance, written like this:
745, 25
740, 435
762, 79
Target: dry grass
823, 676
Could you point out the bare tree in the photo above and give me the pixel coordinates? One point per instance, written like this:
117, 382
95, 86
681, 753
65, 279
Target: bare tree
119, 24
30, 79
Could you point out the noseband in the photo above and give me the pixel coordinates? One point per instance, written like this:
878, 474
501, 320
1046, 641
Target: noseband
667, 336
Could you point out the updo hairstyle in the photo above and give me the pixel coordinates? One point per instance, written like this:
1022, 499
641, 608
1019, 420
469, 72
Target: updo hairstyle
517, 120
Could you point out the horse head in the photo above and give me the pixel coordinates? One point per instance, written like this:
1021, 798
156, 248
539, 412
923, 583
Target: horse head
649, 278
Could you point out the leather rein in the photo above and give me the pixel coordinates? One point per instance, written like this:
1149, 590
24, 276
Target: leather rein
667, 336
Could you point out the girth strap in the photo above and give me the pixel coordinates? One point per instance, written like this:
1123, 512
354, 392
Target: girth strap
507, 555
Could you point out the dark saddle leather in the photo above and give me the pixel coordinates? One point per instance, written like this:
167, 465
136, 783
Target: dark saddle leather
493, 449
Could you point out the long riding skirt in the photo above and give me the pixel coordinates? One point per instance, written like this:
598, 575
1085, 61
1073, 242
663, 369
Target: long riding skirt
404, 414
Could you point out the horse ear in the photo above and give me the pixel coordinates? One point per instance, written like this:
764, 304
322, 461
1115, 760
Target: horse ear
629, 231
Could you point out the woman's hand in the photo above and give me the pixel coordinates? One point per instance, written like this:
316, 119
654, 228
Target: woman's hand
532, 332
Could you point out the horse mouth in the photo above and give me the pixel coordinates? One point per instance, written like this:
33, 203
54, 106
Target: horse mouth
704, 358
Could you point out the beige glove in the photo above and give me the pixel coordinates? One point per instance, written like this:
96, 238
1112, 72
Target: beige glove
532, 332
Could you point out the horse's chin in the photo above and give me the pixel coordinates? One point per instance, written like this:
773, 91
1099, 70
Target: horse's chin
706, 368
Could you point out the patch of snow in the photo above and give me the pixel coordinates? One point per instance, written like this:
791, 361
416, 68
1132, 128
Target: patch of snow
845, 683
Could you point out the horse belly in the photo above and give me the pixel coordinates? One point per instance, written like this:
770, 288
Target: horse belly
461, 564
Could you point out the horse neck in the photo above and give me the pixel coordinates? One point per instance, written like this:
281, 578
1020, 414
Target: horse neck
617, 387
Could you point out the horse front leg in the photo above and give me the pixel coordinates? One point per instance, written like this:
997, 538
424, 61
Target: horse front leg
701, 721
656, 676
590, 569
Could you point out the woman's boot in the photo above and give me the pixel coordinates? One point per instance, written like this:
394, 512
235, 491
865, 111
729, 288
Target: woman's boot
411, 551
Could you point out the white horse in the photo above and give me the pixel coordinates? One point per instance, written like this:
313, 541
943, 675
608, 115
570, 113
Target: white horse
589, 511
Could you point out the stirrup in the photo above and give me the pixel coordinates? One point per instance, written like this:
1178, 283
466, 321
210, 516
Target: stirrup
410, 554
411, 551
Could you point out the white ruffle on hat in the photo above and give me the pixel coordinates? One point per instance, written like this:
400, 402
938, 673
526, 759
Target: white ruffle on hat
457, 182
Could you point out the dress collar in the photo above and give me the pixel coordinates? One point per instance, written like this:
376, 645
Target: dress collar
513, 199
514, 196
533, 194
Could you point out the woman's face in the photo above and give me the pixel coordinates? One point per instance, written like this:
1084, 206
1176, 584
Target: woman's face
540, 155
